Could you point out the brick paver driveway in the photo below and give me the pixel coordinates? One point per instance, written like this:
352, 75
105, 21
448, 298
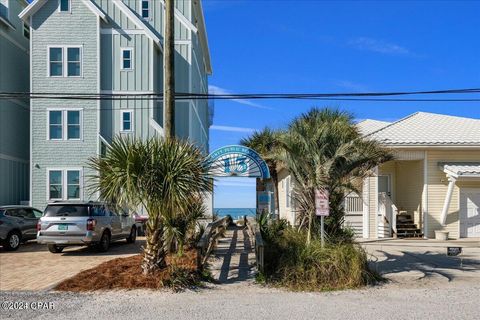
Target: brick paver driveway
33, 267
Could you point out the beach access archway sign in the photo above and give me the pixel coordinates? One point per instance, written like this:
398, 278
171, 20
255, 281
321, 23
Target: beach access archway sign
237, 161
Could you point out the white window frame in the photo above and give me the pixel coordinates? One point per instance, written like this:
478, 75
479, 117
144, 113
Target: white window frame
131, 120
122, 50
64, 60
65, 171
65, 123
69, 7
149, 9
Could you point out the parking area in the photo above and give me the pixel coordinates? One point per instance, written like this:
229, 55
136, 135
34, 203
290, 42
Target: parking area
33, 267
421, 262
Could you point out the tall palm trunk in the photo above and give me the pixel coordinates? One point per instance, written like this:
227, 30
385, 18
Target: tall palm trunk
153, 252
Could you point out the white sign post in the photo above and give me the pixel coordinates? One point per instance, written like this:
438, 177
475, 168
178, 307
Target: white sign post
322, 209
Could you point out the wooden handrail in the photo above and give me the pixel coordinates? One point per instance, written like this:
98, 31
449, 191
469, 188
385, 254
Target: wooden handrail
256, 236
208, 240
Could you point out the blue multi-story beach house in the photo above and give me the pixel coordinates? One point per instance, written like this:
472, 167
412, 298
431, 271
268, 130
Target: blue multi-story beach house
106, 47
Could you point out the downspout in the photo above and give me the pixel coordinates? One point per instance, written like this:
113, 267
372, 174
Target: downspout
448, 199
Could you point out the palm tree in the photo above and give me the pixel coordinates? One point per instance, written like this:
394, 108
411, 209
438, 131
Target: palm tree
323, 149
160, 175
265, 142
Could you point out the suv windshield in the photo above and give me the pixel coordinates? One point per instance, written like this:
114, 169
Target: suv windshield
67, 211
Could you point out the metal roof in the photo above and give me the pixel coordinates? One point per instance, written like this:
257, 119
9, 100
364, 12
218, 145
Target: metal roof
430, 129
461, 169
368, 126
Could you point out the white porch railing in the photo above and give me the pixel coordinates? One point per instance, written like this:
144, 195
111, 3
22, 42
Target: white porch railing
353, 204
387, 214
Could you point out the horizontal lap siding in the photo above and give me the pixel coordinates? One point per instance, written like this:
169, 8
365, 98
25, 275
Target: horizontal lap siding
437, 190
80, 27
409, 188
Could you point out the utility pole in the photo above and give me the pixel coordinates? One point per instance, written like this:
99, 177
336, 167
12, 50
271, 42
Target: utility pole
169, 71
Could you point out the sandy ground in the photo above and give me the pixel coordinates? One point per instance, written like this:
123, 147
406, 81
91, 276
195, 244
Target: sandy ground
423, 284
457, 300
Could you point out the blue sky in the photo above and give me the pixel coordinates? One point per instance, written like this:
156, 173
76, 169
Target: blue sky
337, 46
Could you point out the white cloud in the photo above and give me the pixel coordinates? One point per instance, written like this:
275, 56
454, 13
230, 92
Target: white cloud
232, 129
380, 46
218, 90
350, 85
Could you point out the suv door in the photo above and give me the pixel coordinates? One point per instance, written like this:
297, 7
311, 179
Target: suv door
17, 218
116, 224
30, 222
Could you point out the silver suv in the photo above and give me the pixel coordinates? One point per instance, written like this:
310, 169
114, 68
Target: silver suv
84, 223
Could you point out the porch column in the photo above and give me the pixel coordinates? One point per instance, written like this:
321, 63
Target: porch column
448, 199
366, 207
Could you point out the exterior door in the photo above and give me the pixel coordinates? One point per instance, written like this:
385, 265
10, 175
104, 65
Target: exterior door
384, 185
470, 213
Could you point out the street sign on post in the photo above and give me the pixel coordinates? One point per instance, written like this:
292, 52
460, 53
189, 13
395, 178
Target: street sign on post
322, 209
322, 206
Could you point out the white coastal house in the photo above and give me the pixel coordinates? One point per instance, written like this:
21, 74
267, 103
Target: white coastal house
433, 185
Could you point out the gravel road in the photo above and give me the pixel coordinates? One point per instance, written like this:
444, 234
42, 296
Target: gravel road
457, 300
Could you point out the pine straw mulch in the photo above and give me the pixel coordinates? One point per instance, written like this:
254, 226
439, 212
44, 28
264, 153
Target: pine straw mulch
126, 273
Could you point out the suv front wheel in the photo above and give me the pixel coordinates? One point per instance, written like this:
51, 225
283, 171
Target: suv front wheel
53, 248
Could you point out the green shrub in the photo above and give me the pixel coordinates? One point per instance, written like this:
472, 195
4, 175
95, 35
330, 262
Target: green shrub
290, 263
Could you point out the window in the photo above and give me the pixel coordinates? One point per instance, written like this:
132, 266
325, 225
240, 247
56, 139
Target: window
145, 9
73, 125
4, 8
55, 184
26, 31
64, 184
55, 125
127, 59
56, 62
64, 5
73, 62
69, 56
73, 184
65, 124
127, 120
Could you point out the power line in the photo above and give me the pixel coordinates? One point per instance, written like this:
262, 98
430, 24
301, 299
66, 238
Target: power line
199, 96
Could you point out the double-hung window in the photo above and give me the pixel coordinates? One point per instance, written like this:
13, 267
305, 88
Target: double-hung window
65, 124
127, 59
73, 62
145, 9
126, 120
64, 184
26, 31
64, 5
65, 61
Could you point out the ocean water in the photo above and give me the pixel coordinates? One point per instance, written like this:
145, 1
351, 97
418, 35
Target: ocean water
235, 213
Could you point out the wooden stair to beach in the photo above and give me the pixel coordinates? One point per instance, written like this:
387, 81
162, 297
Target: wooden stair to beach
406, 228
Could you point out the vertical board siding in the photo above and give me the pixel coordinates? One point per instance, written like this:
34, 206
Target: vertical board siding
14, 114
